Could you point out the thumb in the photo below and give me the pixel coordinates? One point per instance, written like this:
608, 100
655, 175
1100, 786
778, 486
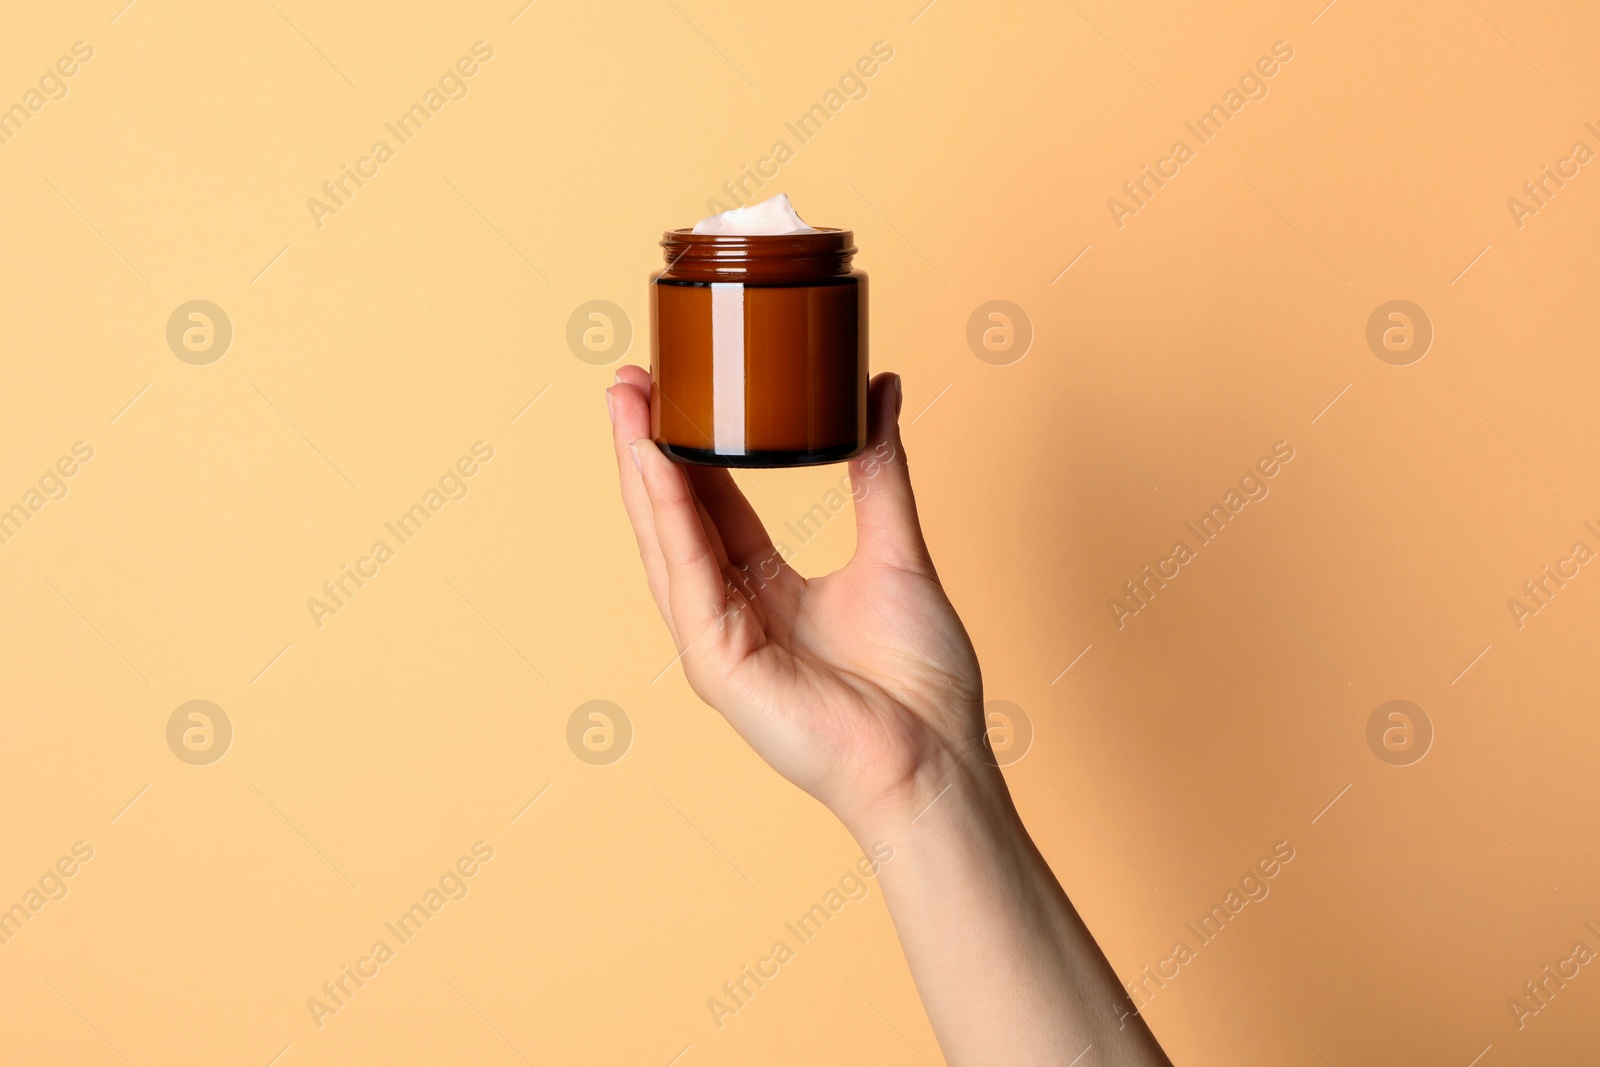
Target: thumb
887, 529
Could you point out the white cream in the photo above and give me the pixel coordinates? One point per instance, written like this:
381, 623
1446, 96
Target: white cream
772, 216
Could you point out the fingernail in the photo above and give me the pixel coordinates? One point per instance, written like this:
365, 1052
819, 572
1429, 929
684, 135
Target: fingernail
611, 407
616, 379
634, 449
899, 396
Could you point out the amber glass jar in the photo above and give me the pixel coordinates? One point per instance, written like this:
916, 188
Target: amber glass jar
758, 349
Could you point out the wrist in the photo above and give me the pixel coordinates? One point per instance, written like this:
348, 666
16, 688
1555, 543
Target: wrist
943, 786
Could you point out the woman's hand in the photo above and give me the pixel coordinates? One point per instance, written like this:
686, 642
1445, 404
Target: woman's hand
861, 686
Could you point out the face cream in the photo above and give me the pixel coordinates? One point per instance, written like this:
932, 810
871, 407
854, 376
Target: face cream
772, 216
758, 331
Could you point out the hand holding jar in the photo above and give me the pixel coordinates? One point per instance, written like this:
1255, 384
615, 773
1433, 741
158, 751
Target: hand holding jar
861, 687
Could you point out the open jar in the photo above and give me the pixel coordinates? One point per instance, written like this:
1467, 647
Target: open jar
758, 348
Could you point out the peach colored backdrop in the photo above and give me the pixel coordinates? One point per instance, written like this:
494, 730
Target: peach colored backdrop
184, 478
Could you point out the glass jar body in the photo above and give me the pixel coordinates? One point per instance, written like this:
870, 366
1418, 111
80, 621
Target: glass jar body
759, 350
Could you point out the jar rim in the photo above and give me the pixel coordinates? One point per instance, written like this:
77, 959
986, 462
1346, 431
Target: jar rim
822, 252
819, 239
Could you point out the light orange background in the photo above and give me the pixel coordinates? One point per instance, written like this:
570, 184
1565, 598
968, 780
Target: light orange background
369, 353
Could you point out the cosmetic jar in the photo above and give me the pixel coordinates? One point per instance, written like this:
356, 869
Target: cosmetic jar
758, 349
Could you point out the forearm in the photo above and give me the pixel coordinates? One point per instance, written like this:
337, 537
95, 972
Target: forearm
1007, 971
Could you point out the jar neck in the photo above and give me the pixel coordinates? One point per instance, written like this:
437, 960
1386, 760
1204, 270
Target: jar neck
786, 257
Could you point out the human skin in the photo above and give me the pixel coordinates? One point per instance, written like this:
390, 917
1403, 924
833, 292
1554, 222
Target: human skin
862, 688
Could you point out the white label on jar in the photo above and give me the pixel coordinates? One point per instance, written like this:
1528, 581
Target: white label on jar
727, 367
